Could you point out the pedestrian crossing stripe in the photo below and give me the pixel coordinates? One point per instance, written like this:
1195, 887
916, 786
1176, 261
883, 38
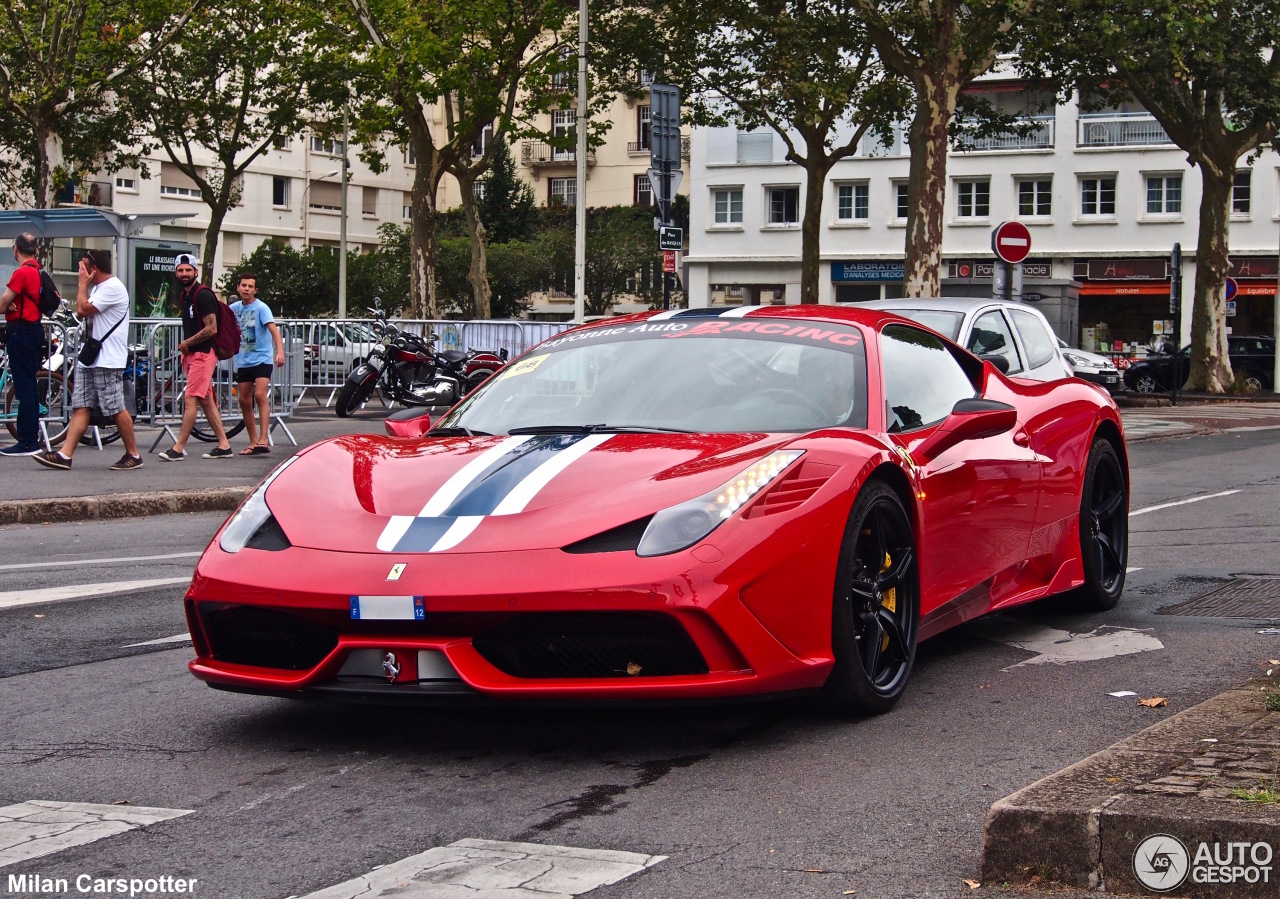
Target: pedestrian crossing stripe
494, 868
36, 828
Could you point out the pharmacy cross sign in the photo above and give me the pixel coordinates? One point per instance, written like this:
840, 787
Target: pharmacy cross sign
1011, 241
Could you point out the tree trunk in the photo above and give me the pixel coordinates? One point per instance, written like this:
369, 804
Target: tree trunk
927, 190
1210, 363
481, 291
811, 227
422, 239
44, 154
217, 213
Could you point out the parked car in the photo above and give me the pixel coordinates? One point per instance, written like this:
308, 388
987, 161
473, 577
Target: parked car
338, 347
1253, 358
1016, 331
1091, 366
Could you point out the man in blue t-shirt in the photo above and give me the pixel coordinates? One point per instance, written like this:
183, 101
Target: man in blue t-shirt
258, 333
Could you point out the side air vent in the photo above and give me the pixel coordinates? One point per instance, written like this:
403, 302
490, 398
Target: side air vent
796, 487
624, 538
270, 536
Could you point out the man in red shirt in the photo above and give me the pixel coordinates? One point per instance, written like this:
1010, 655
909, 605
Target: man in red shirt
25, 345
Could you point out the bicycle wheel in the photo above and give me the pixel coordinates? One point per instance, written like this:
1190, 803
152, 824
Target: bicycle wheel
208, 436
49, 393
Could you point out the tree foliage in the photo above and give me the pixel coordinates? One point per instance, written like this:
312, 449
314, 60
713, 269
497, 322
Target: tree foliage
508, 207
240, 76
1209, 72
63, 64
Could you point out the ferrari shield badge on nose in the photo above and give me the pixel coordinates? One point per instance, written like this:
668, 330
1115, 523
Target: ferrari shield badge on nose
396, 571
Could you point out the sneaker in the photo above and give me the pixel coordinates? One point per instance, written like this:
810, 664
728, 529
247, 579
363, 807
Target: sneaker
20, 449
127, 463
53, 460
219, 453
172, 455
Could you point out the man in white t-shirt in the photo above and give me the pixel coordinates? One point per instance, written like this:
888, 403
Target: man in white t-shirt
104, 303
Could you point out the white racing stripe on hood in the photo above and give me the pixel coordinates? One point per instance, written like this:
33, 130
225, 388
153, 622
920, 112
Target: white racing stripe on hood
453, 487
460, 530
394, 530
526, 490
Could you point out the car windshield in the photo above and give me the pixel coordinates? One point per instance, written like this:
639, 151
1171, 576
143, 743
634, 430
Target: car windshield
940, 320
361, 333
706, 376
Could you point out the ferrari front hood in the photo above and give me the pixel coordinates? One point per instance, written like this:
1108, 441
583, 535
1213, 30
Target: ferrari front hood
364, 493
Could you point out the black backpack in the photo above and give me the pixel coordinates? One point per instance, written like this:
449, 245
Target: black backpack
50, 299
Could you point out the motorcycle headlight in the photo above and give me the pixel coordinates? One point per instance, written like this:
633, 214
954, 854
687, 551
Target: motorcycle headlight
682, 526
252, 514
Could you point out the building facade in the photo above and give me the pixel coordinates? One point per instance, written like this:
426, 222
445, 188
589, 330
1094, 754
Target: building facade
1105, 195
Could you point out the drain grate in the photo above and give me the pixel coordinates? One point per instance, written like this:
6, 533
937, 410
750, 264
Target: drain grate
1244, 597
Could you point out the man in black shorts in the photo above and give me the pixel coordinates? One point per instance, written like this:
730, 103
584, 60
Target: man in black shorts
258, 336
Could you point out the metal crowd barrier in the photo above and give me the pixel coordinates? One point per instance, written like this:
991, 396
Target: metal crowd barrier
332, 347
161, 384
53, 389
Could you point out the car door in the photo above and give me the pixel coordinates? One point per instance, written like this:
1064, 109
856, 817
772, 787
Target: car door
1043, 360
990, 335
978, 499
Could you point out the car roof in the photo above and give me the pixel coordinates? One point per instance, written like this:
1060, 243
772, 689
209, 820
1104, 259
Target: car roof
871, 318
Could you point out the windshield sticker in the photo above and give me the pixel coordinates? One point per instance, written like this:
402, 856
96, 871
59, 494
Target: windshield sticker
523, 367
789, 331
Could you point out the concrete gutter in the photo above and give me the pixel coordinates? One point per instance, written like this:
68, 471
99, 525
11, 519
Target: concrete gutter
121, 505
1082, 826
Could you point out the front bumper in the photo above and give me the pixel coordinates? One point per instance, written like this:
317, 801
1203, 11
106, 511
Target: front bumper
1107, 377
625, 628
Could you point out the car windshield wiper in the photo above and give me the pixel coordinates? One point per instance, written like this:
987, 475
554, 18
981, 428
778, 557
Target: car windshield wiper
457, 432
597, 429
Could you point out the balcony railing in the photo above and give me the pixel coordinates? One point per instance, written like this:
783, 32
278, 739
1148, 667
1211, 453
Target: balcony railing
1120, 129
537, 153
636, 147
755, 147
1038, 134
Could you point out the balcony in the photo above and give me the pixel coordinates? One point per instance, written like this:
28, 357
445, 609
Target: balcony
641, 148
1121, 129
538, 154
1035, 133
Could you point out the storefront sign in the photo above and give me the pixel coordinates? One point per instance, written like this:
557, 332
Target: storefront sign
844, 272
1259, 267
1121, 270
984, 270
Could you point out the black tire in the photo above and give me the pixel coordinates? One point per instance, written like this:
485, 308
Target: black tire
1145, 383
1104, 529
350, 398
875, 613
209, 437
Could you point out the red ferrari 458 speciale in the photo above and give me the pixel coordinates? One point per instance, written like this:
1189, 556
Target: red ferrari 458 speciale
698, 504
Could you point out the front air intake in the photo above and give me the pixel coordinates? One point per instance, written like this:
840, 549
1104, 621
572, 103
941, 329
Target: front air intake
590, 645
266, 638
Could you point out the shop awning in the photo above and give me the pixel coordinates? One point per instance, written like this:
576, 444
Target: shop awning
1124, 288
78, 221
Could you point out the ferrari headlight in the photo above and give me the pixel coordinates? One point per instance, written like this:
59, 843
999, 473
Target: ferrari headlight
252, 514
680, 526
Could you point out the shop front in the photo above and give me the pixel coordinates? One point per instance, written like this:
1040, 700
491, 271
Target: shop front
1252, 312
860, 281
1124, 306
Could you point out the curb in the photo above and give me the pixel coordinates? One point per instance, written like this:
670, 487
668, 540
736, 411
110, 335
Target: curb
1083, 825
121, 505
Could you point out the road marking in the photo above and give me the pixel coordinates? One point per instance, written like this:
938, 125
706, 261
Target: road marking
36, 828
1057, 647
493, 868
1131, 570
176, 638
1181, 502
15, 598
26, 565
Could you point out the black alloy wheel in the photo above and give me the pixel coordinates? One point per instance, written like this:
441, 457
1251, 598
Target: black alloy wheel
1145, 383
876, 609
1104, 528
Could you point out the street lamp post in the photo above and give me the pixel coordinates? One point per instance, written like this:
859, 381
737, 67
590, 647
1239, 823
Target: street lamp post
342, 231
580, 193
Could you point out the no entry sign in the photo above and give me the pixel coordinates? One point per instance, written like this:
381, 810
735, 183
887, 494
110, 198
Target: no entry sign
1011, 241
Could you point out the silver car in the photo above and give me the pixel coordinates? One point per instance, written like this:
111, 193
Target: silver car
1016, 331
1091, 366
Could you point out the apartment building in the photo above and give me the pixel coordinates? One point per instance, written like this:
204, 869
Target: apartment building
1105, 196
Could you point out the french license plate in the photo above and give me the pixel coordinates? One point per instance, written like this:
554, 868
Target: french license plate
1109, 379
388, 608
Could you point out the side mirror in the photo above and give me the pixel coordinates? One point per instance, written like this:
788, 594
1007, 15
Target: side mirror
411, 422
971, 419
1000, 362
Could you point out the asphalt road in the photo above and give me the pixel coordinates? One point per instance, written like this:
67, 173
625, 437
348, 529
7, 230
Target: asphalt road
774, 800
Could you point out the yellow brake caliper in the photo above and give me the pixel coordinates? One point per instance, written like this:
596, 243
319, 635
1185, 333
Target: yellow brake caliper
890, 598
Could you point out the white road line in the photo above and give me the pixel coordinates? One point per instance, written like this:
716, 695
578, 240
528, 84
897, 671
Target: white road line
1181, 502
27, 565
36, 828
15, 598
176, 638
492, 868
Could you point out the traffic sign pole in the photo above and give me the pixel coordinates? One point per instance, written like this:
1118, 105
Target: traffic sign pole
1175, 306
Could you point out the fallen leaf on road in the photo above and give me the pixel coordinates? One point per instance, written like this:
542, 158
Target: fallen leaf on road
1273, 661
813, 870
39, 616
849, 892
972, 884
1154, 702
121, 802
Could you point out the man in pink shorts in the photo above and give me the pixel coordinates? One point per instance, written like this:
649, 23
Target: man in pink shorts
198, 305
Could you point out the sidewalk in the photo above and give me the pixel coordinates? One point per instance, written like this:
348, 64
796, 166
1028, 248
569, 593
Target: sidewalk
1201, 782
1197, 418
30, 492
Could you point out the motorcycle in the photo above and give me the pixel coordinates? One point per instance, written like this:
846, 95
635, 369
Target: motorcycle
409, 371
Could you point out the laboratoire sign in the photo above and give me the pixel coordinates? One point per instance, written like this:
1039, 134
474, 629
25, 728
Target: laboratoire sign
1162, 863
